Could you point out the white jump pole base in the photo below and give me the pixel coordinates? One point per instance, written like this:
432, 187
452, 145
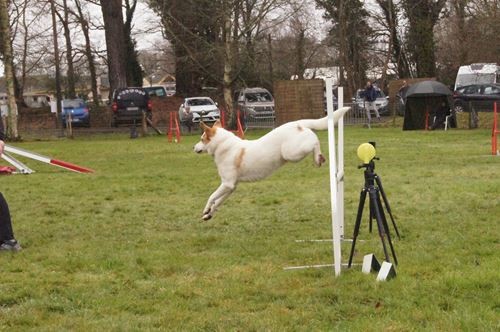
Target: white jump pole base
386, 272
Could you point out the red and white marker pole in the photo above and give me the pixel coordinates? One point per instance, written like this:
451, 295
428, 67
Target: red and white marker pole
47, 160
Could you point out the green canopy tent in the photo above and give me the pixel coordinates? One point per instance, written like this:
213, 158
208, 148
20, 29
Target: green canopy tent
422, 99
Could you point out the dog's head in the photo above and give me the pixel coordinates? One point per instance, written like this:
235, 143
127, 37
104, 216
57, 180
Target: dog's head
206, 137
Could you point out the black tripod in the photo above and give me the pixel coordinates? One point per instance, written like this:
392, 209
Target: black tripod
376, 210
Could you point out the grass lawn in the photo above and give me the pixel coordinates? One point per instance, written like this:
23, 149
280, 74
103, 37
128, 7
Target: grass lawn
125, 249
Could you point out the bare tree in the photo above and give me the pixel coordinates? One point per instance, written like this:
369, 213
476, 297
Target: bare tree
115, 43
395, 52
57, 61
423, 16
6, 49
303, 30
134, 70
351, 33
70, 71
84, 24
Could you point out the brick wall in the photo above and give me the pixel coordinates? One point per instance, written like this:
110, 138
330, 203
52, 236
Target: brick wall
299, 99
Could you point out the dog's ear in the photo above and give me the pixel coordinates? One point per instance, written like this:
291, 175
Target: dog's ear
204, 126
217, 124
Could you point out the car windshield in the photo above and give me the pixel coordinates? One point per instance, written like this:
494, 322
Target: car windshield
159, 92
199, 102
73, 103
254, 97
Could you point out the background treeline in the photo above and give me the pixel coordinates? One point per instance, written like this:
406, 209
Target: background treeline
227, 44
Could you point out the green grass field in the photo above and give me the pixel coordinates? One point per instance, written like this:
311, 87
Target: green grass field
124, 249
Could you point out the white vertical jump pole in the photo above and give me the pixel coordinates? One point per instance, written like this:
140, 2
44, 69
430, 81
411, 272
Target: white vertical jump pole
340, 162
335, 197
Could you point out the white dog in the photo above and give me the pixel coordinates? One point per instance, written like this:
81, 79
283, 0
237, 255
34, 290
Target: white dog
242, 160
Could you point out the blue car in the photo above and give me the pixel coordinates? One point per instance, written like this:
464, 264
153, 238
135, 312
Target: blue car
79, 112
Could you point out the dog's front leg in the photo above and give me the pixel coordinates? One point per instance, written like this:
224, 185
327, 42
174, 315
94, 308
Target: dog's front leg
216, 199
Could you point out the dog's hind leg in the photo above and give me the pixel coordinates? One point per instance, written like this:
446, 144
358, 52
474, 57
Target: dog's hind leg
299, 146
216, 199
318, 157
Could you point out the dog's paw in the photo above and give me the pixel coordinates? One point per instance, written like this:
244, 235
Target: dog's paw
206, 217
321, 160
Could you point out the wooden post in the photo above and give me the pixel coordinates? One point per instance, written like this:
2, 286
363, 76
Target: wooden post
144, 124
69, 125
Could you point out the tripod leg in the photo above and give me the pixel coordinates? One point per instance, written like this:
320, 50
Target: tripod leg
371, 217
386, 226
378, 217
362, 198
386, 202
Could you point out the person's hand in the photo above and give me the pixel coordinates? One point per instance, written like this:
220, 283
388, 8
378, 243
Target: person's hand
2, 144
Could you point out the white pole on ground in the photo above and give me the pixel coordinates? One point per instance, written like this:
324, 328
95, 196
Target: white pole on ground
333, 179
47, 160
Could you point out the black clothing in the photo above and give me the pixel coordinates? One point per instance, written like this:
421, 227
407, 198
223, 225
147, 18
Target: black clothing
2, 134
6, 232
440, 116
370, 93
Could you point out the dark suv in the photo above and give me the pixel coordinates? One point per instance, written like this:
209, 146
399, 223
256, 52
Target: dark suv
479, 97
129, 104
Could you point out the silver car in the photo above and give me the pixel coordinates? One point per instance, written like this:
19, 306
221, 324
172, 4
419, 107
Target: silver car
256, 103
199, 108
381, 103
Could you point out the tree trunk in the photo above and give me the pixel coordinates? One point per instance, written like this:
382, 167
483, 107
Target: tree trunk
343, 49
270, 59
70, 88
56, 59
134, 70
390, 23
423, 16
228, 60
115, 43
300, 57
8, 65
459, 6
88, 53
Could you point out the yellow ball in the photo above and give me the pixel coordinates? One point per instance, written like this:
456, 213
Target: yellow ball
366, 152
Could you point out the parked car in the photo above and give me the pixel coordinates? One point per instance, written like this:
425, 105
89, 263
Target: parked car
381, 103
481, 96
129, 104
201, 108
79, 111
257, 103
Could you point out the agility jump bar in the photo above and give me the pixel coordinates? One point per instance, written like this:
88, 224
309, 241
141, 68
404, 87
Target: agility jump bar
47, 160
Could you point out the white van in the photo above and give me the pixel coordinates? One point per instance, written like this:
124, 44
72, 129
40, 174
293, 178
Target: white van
477, 73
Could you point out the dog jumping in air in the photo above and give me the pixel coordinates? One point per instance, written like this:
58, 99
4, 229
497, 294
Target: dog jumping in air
243, 160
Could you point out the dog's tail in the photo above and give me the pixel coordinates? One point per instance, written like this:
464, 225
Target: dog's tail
322, 124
